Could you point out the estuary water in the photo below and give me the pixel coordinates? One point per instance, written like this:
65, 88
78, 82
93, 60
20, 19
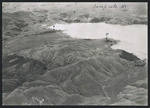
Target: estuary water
133, 38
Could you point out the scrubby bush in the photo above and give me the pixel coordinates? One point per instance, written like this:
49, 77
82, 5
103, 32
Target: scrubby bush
101, 19
95, 20
128, 56
76, 20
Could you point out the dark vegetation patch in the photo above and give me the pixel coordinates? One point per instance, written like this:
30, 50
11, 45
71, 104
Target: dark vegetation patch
20, 70
77, 20
128, 56
50, 31
87, 39
101, 19
63, 15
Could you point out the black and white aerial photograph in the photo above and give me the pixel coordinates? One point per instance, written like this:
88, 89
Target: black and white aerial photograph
75, 53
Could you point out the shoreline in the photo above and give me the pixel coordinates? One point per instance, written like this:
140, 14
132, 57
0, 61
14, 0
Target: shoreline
118, 24
114, 42
101, 38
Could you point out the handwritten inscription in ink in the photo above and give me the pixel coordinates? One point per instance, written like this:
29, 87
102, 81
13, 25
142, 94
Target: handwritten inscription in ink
114, 6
